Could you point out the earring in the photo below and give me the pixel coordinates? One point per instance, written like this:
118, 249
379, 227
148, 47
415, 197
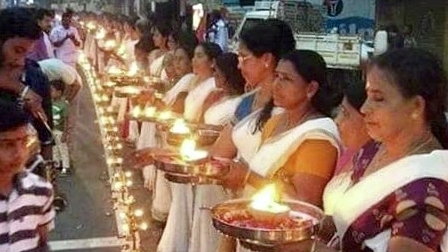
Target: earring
266, 65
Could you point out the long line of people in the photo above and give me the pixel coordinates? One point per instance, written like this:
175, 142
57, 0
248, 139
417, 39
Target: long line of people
377, 170
274, 106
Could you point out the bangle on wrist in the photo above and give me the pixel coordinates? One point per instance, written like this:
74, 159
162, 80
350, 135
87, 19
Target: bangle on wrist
24, 92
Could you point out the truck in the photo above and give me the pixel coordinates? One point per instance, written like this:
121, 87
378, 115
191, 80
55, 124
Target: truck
316, 27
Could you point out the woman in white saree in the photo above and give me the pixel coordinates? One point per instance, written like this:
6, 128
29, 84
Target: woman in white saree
155, 179
354, 138
161, 32
397, 201
183, 54
160, 37
230, 84
300, 146
259, 50
127, 53
176, 235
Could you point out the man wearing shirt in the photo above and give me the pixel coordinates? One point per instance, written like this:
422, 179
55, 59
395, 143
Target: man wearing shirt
55, 69
18, 32
66, 41
43, 48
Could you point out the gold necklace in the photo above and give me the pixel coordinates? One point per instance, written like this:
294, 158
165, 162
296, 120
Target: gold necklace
286, 123
381, 161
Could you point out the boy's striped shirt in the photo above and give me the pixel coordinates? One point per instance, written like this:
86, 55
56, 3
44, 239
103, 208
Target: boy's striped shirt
29, 206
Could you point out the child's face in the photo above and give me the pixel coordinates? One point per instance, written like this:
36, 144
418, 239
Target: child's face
55, 94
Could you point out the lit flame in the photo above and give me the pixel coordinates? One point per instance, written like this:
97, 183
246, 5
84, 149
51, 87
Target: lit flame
100, 34
180, 127
165, 115
133, 70
188, 151
110, 44
114, 70
126, 228
122, 215
109, 84
150, 111
138, 213
143, 226
136, 111
118, 186
267, 200
91, 26
131, 90
121, 50
82, 57
105, 98
97, 97
158, 95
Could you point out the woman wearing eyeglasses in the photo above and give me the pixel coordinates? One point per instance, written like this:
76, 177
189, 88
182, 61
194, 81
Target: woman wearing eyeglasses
259, 51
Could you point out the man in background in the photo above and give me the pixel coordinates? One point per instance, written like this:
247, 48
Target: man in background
218, 30
18, 32
43, 48
408, 36
66, 41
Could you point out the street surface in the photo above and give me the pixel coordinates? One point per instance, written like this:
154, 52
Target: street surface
88, 223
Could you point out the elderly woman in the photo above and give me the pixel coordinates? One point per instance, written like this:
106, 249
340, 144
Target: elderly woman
396, 201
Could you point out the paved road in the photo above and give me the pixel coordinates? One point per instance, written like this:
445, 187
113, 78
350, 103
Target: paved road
87, 223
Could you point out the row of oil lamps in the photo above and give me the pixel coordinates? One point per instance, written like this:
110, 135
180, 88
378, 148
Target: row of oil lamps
122, 83
120, 181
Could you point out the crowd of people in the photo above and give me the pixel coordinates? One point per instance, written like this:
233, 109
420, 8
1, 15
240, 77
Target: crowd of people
372, 155
39, 90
